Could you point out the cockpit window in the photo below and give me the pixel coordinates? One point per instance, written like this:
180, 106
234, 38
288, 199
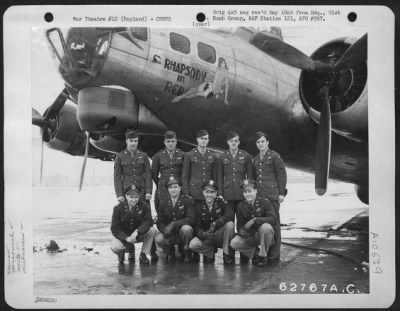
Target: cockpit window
179, 43
139, 33
206, 52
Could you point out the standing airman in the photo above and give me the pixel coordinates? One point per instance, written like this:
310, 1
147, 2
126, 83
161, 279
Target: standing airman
234, 166
166, 163
199, 166
132, 166
270, 173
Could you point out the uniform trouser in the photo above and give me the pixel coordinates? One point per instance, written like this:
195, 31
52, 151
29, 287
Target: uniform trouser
183, 238
118, 246
223, 237
275, 250
247, 246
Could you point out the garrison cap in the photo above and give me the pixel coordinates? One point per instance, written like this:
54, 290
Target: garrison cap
172, 181
131, 134
248, 183
231, 134
132, 189
211, 184
201, 133
169, 135
260, 134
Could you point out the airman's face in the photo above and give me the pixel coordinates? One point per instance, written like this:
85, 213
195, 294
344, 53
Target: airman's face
132, 199
132, 143
174, 190
262, 144
234, 143
249, 194
203, 141
170, 144
209, 195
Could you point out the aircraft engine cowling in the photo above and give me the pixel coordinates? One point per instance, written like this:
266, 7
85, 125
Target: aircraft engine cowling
110, 111
348, 92
65, 135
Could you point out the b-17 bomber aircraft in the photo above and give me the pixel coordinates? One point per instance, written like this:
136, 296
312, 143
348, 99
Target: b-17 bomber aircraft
314, 108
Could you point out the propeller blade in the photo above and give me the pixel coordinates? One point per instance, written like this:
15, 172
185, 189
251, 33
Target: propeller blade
323, 149
37, 118
354, 55
57, 105
84, 162
41, 162
282, 51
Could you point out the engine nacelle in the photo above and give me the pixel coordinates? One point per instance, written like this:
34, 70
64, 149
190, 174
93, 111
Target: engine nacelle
66, 135
108, 111
348, 95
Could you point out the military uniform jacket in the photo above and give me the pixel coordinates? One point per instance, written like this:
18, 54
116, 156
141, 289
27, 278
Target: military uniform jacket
270, 175
125, 220
163, 167
231, 171
262, 210
132, 169
181, 214
197, 170
220, 214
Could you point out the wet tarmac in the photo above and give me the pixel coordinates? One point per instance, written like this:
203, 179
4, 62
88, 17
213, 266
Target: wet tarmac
325, 250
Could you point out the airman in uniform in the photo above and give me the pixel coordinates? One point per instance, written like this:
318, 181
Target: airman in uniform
234, 166
270, 173
175, 221
132, 223
256, 225
166, 163
214, 226
132, 166
199, 166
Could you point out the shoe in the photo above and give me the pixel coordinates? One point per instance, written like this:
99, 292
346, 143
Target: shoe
262, 261
244, 259
131, 257
255, 259
121, 256
153, 253
143, 259
170, 254
228, 260
196, 257
208, 260
187, 256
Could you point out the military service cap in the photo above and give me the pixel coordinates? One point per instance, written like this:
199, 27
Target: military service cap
169, 135
131, 134
248, 183
260, 134
231, 134
132, 189
172, 181
201, 133
211, 184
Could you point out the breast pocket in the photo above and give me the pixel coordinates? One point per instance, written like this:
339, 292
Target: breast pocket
127, 167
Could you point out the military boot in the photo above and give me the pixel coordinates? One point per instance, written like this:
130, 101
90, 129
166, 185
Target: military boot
187, 256
143, 259
121, 256
153, 253
170, 256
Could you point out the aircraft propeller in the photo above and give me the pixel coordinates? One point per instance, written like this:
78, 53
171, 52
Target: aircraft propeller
287, 54
84, 161
48, 122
